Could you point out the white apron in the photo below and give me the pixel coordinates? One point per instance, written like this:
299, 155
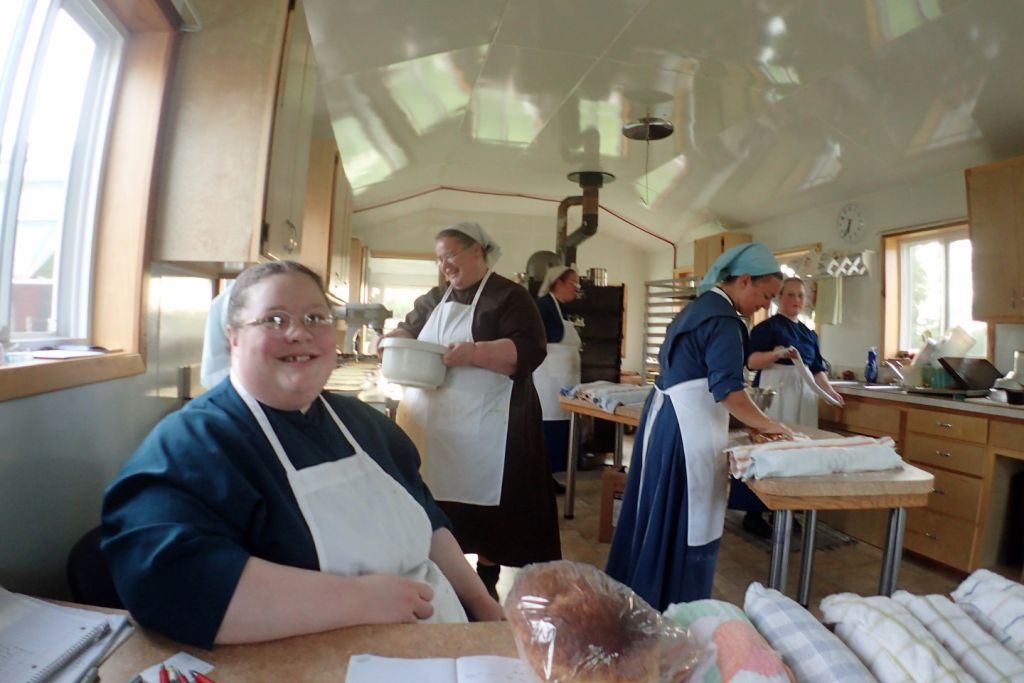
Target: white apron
704, 428
460, 427
361, 519
561, 368
794, 402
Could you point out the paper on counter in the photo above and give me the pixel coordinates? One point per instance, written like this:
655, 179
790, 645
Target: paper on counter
182, 661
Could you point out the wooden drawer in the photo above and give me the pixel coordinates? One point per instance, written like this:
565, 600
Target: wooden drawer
1009, 435
871, 418
946, 453
941, 538
948, 425
955, 495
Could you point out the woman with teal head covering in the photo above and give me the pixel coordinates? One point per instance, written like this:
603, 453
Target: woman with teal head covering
673, 512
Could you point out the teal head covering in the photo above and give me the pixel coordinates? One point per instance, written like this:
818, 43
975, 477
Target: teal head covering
752, 258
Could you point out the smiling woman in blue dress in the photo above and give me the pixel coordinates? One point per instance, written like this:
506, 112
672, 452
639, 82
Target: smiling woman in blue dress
673, 510
267, 508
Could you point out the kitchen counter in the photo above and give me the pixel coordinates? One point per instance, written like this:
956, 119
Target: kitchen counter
980, 406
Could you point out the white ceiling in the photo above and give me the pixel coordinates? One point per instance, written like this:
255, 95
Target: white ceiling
778, 105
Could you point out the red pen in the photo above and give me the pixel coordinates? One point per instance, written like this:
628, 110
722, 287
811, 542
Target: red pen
200, 678
165, 677
178, 676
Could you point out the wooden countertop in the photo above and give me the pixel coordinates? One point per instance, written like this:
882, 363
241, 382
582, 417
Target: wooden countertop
628, 415
316, 658
908, 487
977, 406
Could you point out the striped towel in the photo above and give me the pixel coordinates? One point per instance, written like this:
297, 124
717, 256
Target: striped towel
807, 457
893, 644
997, 604
978, 653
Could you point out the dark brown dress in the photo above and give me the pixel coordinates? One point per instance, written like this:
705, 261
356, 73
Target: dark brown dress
523, 527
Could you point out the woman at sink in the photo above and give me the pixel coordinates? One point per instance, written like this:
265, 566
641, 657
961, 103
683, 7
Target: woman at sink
773, 342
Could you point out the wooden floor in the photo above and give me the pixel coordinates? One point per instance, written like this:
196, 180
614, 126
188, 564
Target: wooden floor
852, 567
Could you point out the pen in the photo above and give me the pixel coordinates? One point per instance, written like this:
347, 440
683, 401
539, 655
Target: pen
165, 676
178, 677
200, 678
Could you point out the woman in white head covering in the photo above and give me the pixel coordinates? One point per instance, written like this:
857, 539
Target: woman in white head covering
479, 433
561, 368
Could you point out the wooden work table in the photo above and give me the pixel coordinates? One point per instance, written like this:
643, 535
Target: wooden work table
316, 658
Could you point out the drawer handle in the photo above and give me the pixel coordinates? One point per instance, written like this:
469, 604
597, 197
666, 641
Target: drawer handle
943, 454
931, 536
944, 425
939, 491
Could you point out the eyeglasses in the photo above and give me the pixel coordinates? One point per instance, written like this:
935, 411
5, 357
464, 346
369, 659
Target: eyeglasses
279, 323
447, 258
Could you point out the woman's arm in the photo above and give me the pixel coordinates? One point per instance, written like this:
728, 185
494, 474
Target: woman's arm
275, 601
821, 379
759, 360
447, 555
740, 406
499, 355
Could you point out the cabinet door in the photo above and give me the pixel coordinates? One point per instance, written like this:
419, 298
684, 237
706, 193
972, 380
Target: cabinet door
341, 237
995, 205
290, 142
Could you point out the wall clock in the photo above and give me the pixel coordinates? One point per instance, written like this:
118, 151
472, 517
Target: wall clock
850, 223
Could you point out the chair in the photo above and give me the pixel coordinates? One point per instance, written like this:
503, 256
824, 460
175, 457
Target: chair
88, 573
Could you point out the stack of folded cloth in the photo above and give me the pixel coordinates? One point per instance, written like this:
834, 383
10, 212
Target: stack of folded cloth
609, 395
808, 457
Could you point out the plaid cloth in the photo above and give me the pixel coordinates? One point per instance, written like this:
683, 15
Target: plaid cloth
815, 654
886, 637
997, 604
978, 653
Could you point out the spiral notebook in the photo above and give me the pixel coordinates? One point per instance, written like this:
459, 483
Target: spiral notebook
41, 642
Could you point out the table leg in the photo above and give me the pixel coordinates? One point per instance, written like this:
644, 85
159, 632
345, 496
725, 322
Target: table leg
570, 466
893, 551
617, 457
782, 525
807, 561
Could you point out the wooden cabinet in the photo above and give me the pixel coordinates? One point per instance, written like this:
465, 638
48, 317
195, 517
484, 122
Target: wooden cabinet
318, 212
238, 131
341, 237
707, 249
995, 209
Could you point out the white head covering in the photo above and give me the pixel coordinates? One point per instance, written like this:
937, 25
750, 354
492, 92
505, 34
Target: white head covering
554, 272
216, 363
492, 250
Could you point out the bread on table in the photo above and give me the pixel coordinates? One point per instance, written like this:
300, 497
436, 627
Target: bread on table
574, 623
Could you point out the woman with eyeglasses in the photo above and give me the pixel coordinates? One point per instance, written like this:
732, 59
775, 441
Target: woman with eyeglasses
268, 508
479, 433
561, 368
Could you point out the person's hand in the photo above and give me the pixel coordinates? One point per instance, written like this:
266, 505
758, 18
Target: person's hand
773, 427
485, 608
397, 332
391, 599
837, 396
459, 353
782, 352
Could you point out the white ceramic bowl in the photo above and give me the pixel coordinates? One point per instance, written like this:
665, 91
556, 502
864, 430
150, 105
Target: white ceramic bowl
412, 363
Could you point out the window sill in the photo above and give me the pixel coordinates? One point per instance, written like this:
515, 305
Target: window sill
42, 376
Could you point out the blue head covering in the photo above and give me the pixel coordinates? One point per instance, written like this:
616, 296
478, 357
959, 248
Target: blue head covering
752, 258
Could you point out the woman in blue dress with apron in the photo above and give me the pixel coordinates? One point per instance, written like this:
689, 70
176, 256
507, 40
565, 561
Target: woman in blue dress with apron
561, 368
673, 510
267, 508
479, 433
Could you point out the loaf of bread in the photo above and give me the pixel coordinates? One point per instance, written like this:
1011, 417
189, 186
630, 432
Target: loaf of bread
572, 622
761, 437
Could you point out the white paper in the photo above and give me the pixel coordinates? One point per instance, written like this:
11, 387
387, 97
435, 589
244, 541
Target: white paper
367, 668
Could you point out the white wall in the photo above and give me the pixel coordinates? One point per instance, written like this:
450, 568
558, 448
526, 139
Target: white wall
60, 449
520, 236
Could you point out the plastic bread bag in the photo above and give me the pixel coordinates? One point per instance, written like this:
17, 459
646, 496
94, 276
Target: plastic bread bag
574, 623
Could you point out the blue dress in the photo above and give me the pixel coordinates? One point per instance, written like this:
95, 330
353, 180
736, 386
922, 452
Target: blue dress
779, 330
650, 552
205, 491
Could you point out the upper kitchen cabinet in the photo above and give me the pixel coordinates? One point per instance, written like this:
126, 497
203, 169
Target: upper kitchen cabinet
341, 239
239, 125
707, 249
995, 209
327, 219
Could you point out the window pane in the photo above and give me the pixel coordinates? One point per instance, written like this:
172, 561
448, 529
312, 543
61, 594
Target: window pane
53, 132
926, 292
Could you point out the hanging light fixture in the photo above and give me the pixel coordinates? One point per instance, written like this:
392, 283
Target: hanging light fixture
648, 128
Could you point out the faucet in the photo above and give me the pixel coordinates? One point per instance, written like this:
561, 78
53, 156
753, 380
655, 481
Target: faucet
897, 369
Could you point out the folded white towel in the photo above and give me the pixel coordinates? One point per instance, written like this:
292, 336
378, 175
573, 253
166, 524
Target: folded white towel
812, 457
609, 395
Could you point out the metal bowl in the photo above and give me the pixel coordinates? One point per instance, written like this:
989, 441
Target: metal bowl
761, 397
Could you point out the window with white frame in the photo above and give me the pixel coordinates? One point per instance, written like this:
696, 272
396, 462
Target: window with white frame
59, 72
936, 289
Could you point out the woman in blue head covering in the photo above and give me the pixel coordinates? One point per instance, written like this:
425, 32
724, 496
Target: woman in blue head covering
673, 511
